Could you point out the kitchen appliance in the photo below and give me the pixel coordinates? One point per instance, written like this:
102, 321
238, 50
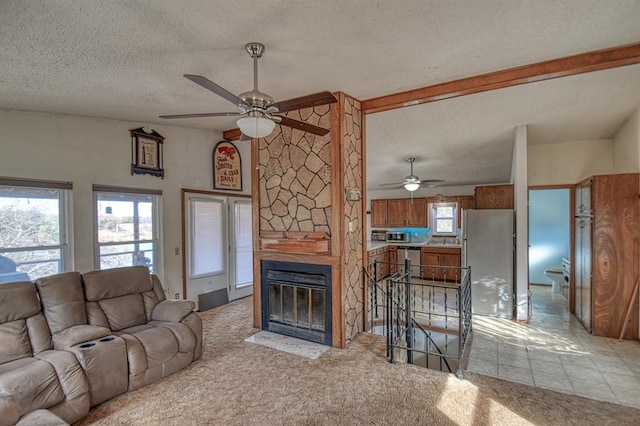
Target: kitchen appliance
488, 250
413, 254
378, 235
397, 237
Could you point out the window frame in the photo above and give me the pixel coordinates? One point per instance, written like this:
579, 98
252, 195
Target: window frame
156, 210
65, 219
433, 208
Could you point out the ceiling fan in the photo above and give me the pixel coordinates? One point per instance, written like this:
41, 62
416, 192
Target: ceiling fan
413, 182
257, 110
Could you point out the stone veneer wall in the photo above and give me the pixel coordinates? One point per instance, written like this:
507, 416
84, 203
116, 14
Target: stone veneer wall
295, 176
297, 181
353, 286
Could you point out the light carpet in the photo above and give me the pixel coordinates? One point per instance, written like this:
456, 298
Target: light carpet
241, 383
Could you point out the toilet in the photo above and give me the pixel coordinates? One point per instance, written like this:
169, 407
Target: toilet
556, 277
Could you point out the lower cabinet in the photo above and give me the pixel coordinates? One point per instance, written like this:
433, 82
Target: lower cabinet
387, 258
432, 260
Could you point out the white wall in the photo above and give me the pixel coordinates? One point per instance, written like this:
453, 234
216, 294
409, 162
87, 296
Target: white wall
94, 151
521, 210
626, 146
568, 162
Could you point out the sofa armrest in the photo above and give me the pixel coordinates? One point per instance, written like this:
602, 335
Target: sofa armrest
78, 334
9, 413
172, 310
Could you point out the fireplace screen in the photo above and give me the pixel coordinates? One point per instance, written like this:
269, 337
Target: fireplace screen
297, 301
297, 306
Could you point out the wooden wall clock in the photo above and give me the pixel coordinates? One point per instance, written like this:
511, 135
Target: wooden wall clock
147, 152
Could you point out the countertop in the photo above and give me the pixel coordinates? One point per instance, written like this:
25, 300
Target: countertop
371, 245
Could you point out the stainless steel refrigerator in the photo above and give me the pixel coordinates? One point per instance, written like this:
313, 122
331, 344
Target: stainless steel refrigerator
488, 249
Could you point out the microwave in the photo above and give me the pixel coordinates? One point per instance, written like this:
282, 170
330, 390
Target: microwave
378, 236
397, 237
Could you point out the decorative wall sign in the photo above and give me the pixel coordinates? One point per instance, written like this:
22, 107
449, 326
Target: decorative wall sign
147, 152
227, 167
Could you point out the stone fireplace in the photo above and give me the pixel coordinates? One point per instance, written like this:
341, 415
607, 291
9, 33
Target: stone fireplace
309, 217
296, 300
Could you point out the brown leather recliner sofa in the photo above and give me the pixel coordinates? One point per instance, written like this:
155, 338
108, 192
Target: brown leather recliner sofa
114, 326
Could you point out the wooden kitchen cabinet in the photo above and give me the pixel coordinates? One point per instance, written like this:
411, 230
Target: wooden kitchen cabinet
494, 197
465, 202
433, 258
393, 259
606, 253
396, 213
407, 212
379, 213
399, 212
386, 257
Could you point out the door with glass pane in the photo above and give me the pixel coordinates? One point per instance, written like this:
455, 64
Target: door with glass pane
207, 244
241, 254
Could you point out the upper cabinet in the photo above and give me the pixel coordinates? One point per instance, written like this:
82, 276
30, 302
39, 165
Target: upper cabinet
494, 197
465, 202
397, 213
407, 212
379, 213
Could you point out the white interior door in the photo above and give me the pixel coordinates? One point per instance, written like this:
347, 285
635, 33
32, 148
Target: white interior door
241, 254
207, 245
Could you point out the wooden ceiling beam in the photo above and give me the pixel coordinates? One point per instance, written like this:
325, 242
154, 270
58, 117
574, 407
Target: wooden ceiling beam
563, 67
232, 134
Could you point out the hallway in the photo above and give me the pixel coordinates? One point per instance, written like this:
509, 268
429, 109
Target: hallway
555, 352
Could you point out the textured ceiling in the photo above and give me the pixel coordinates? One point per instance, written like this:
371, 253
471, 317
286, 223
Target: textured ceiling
125, 59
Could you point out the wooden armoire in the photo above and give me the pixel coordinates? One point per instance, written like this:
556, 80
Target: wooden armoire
606, 264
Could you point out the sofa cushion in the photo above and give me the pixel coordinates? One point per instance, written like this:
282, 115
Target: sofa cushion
172, 310
41, 418
116, 282
18, 301
9, 414
78, 334
125, 311
62, 300
159, 343
32, 382
15, 341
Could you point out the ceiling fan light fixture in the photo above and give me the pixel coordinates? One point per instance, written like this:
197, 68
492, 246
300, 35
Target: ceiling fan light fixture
256, 127
411, 186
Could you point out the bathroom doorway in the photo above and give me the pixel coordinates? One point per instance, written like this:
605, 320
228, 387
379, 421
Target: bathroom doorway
550, 253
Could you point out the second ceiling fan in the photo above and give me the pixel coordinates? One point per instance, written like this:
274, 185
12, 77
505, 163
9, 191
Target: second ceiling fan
413, 182
257, 110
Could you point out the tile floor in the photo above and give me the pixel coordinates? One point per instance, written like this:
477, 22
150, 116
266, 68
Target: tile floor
555, 352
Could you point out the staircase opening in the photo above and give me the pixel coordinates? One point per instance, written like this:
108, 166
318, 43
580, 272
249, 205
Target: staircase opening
426, 321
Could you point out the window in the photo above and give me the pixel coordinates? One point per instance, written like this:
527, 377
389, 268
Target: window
127, 227
34, 224
444, 219
207, 237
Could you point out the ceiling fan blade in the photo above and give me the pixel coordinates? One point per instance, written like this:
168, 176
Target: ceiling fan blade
305, 127
218, 90
316, 99
392, 184
204, 114
430, 181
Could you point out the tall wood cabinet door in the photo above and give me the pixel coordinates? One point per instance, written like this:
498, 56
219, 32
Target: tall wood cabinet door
393, 259
450, 260
397, 213
379, 213
465, 202
494, 197
417, 212
430, 269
